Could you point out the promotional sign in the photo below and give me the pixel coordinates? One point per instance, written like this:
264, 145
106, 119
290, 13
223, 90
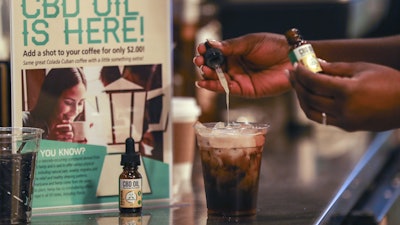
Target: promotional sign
92, 73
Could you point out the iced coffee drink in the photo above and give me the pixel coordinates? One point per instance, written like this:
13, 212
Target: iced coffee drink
231, 159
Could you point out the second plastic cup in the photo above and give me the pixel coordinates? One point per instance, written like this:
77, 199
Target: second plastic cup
18, 150
185, 114
231, 159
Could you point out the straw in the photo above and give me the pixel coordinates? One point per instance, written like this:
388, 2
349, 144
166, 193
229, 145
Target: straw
21, 147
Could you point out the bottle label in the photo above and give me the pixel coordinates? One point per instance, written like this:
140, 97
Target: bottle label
130, 191
306, 56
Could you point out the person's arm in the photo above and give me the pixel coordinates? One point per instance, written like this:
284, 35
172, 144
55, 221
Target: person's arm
256, 63
384, 51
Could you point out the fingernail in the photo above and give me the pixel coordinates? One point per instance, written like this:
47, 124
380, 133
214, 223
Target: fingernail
194, 58
295, 65
322, 60
214, 43
287, 74
196, 83
201, 75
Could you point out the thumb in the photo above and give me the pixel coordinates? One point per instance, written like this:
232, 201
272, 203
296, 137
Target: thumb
341, 69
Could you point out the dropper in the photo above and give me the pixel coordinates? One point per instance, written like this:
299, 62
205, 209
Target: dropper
215, 59
131, 157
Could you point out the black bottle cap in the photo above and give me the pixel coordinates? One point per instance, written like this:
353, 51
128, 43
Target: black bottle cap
131, 157
293, 36
213, 56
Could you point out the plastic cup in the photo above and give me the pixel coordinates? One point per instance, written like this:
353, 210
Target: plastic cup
18, 150
231, 159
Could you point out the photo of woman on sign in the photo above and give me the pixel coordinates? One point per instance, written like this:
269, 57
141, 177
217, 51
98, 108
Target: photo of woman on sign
60, 102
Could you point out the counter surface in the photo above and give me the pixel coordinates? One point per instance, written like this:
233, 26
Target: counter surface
299, 177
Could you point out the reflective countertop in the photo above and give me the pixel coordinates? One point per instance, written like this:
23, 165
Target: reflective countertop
300, 175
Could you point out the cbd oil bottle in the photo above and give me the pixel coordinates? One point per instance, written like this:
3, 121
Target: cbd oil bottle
130, 180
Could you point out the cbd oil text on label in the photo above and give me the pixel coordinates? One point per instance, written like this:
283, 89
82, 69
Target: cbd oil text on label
131, 193
306, 56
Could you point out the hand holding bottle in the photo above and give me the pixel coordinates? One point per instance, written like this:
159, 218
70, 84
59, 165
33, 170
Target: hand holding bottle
255, 65
354, 96
359, 92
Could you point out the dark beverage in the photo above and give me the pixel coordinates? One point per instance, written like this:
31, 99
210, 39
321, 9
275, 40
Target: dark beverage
16, 187
231, 179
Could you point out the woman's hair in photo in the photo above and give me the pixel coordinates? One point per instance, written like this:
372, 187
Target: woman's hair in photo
55, 83
109, 74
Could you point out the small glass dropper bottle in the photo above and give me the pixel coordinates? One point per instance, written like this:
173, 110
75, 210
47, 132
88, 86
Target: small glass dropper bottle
301, 51
130, 180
